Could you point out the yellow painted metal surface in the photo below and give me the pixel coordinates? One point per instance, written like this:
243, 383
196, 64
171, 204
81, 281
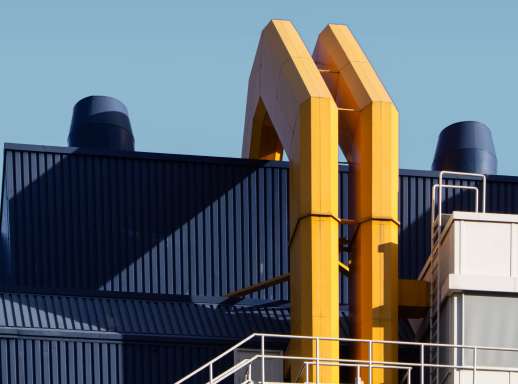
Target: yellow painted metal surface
313, 110
264, 143
369, 140
413, 298
286, 81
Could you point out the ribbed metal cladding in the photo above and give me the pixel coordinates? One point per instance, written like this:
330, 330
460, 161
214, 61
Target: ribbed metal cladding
415, 199
144, 223
139, 317
343, 209
46, 360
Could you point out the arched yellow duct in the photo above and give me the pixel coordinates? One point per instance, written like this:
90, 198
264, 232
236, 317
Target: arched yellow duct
264, 143
286, 85
286, 81
369, 140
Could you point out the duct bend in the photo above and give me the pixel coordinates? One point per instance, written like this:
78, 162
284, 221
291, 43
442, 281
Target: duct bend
101, 122
465, 147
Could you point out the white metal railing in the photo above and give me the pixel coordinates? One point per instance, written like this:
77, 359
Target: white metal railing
357, 366
370, 364
435, 262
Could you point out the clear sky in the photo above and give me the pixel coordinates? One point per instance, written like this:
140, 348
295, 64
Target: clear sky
182, 67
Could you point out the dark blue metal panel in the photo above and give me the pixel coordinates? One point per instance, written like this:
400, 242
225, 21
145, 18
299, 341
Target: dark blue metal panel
343, 209
5, 222
134, 222
47, 360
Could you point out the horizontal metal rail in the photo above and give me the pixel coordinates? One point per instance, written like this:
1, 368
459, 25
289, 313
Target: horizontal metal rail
232, 370
209, 364
357, 366
370, 363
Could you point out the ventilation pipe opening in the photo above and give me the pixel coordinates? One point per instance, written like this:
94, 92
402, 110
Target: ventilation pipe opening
466, 147
101, 122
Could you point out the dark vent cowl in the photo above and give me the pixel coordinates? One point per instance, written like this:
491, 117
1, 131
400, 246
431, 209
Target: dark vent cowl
101, 122
466, 147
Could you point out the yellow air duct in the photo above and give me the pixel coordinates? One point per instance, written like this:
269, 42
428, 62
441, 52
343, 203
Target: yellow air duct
286, 88
292, 105
369, 141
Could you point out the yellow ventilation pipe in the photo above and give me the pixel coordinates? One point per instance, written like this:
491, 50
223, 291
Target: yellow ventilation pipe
369, 141
286, 87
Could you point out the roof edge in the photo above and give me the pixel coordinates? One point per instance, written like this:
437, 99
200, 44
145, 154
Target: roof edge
145, 296
146, 155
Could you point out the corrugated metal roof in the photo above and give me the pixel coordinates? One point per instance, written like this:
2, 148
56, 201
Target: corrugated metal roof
148, 317
143, 317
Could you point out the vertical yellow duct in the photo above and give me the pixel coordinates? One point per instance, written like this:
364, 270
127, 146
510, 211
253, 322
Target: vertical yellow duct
368, 137
285, 85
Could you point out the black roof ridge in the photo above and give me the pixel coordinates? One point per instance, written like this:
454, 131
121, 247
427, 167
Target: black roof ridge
218, 160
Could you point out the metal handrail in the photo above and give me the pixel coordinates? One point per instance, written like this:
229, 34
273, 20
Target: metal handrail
358, 366
209, 364
438, 233
370, 363
441, 185
232, 370
408, 376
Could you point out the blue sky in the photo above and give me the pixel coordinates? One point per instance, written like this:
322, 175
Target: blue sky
182, 68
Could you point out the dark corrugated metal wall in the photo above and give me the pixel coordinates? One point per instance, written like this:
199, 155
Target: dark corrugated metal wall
160, 224
343, 211
182, 225
42, 360
145, 225
415, 200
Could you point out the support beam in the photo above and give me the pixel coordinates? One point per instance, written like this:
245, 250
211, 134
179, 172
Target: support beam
260, 286
344, 269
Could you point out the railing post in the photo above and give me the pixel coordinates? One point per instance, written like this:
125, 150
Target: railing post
358, 378
370, 361
484, 194
307, 372
422, 363
210, 373
262, 355
474, 365
409, 379
250, 372
318, 367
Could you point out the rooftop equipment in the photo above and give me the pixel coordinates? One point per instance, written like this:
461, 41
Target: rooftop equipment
101, 122
466, 146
